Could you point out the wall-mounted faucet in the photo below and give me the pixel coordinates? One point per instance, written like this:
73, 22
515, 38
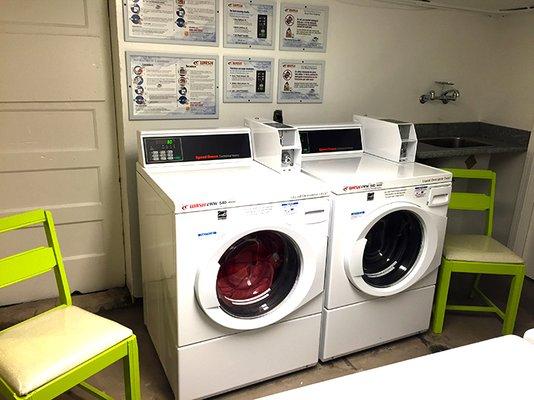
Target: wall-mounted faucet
445, 95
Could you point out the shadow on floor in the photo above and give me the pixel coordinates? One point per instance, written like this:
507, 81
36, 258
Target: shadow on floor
459, 330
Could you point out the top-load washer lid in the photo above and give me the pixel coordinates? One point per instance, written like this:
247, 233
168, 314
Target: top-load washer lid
192, 173
364, 172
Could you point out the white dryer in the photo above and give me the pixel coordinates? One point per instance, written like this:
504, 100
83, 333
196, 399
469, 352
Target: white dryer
233, 261
387, 229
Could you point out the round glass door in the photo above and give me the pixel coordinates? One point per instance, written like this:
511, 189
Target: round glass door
257, 273
393, 246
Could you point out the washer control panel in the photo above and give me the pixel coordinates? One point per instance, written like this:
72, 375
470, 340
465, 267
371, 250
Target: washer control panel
166, 149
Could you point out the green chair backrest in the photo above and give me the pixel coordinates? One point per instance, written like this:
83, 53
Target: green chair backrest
475, 201
37, 261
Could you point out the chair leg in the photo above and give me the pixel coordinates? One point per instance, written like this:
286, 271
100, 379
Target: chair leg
514, 296
95, 392
475, 286
132, 381
442, 292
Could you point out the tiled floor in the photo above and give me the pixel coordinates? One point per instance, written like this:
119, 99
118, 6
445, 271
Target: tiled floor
460, 329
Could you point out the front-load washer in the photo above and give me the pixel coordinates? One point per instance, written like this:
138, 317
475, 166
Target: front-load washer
233, 260
387, 229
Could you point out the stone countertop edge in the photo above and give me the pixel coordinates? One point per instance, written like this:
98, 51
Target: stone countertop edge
502, 139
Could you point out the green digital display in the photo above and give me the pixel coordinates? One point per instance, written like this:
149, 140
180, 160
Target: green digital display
170, 141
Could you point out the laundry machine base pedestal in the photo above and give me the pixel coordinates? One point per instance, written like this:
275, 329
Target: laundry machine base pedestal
219, 365
363, 325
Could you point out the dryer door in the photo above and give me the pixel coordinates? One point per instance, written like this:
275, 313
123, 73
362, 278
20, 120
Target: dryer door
398, 246
257, 278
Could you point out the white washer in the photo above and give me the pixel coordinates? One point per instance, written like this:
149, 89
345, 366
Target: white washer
233, 260
387, 229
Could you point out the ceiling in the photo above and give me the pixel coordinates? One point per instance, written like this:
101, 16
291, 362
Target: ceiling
484, 6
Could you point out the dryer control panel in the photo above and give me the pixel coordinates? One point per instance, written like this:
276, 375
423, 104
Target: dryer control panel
321, 139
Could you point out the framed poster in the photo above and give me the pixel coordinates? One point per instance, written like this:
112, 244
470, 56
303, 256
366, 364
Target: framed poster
248, 80
300, 81
303, 27
249, 23
171, 86
171, 21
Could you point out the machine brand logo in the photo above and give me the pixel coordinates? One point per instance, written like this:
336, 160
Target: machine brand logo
199, 205
371, 186
357, 213
206, 234
203, 62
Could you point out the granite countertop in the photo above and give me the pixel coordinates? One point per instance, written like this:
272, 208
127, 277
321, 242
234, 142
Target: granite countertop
501, 139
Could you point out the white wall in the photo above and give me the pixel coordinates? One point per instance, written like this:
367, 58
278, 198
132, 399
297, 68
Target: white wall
508, 91
379, 61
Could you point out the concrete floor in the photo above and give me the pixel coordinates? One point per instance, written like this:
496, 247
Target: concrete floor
460, 329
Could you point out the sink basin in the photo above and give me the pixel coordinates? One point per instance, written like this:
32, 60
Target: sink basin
454, 142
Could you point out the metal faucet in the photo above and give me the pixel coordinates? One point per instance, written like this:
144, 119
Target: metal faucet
431, 95
449, 95
445, 96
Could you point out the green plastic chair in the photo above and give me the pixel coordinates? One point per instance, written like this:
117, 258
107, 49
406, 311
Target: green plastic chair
478, 254
49, 354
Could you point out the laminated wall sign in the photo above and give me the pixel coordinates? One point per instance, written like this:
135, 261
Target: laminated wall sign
170, 86
303, 27
171, 21
300, 81
248, 80
249, 23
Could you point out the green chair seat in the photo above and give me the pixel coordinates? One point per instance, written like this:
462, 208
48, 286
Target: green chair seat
478, 248
42, 348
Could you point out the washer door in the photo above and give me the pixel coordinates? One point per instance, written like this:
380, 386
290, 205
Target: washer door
395, 250
256, 278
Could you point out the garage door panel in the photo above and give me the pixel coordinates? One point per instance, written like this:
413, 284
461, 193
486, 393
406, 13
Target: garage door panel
32, 72
86, 274
50, 188
51, 160
36, 12
67, 214
45, 130
78, 239
58, 144
66, 17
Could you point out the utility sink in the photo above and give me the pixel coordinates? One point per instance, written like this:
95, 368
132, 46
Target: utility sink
454, 142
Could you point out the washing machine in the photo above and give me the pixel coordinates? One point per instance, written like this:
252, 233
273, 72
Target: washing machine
387, 229
233, 260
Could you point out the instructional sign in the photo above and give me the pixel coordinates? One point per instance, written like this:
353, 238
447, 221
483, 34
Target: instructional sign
169, 86
171, 21
303, 27
300, 81
249, 23
248, 80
